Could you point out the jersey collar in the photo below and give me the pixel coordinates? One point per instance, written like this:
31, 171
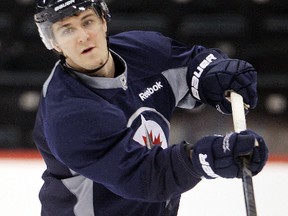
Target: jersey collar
106, 83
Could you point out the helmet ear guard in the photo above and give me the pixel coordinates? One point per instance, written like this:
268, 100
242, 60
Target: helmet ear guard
49, 12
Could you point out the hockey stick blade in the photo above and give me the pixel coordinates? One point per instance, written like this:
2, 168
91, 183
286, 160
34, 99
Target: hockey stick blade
239, 121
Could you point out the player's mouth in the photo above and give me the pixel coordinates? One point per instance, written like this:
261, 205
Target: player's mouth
88, 50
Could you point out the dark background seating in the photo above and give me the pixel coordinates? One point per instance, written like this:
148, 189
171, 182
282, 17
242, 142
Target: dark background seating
253, 30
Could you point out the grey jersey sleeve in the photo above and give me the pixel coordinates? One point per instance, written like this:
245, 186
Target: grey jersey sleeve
177, 80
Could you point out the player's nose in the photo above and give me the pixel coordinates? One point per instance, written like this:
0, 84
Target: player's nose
83, 35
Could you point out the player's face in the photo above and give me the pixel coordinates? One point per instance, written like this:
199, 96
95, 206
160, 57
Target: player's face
82, 40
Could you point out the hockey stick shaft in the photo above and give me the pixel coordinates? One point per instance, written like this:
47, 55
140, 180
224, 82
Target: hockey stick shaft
239, 121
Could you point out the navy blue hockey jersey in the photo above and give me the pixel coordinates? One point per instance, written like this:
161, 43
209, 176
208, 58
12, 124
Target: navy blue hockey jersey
105, 141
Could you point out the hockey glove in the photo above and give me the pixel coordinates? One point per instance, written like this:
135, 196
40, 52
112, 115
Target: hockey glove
212, 74
218, 156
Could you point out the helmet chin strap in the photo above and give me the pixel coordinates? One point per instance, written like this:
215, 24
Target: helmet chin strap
100, 67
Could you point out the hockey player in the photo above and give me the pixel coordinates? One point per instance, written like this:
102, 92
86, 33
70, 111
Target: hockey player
103, 121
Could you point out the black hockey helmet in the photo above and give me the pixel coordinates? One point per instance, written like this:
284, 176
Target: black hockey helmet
51, 11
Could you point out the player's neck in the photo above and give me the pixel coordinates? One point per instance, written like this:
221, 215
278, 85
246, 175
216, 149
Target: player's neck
108, 70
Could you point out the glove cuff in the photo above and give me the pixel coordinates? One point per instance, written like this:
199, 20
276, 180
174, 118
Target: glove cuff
197, 69
202, 156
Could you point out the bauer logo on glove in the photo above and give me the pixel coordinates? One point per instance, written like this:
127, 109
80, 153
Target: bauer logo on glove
215, 156
213, 74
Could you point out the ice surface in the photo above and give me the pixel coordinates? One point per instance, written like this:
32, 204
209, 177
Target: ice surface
21, 181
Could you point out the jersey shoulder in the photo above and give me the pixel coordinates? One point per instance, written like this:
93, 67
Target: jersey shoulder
143, 51
139, 37
146, 42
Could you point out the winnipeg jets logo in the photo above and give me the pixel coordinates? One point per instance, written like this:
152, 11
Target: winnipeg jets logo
150, 134
150, 139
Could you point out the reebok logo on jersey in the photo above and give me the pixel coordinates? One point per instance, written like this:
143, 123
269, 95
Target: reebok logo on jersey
197, 74
151, 90
206, 166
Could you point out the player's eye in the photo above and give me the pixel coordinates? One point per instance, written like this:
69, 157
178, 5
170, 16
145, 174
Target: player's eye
88, 22
67, 31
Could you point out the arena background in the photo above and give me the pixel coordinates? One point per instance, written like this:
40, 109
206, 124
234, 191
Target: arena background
253, 30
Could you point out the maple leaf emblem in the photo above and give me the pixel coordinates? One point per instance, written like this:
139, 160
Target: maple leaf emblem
150, 134
152, 139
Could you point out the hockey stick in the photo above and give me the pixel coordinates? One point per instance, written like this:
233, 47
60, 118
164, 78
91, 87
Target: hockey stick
239, 121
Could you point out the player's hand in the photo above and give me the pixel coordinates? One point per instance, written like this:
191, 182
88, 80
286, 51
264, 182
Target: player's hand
220, 156
221, 75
